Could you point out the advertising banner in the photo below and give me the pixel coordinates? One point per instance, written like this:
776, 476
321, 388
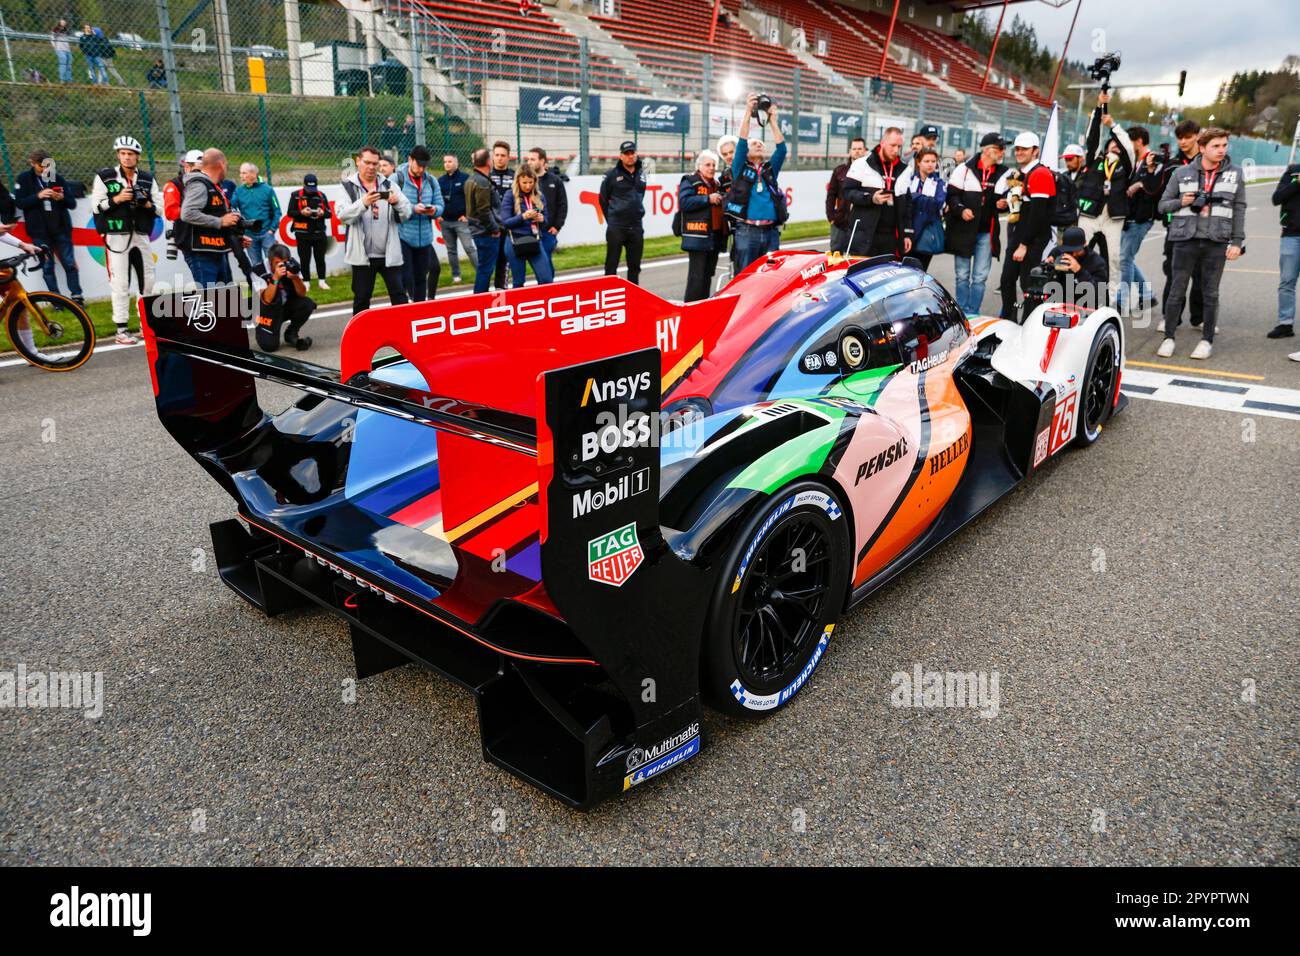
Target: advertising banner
657, 116
538, 107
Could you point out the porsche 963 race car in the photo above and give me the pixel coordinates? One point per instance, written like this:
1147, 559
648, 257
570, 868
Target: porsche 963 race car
596, 509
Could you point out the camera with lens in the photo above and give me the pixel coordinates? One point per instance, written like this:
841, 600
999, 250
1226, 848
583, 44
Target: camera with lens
1103, 67
762, 105
170, 236
292, 266
251, 225
139, 193
1199, 202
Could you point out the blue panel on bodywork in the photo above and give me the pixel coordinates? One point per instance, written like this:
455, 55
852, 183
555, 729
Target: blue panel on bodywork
385, 447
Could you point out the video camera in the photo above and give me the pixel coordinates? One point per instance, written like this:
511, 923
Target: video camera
1103, 67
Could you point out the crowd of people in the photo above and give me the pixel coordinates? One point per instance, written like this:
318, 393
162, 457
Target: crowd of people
1086, 221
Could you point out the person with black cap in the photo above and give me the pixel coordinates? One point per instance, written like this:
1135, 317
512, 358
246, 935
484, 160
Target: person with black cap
929, 134
973, 233
622, 201
1080, 269
309, 214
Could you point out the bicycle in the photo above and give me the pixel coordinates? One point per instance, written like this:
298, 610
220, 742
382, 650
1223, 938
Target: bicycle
32, 323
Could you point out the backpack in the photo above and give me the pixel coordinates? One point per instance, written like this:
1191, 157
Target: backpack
1066, 210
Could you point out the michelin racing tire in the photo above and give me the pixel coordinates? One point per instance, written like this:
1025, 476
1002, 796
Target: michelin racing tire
1097, 396
782, 590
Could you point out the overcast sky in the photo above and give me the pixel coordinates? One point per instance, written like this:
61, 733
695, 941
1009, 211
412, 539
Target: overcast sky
1210, 39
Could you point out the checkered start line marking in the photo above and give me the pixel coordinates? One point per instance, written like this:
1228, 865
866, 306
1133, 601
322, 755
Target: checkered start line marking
1183, 389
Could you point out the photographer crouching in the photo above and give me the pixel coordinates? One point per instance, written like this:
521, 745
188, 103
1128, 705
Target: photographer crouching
1082, 272
284, 300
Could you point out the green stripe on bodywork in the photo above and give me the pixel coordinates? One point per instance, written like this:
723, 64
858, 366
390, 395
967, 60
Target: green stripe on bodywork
803, 455
864, 387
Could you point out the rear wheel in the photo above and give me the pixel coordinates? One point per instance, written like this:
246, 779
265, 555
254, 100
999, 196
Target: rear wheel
782, 592
1097, 396
51, 332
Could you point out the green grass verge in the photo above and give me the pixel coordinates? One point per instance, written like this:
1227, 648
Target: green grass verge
566, 258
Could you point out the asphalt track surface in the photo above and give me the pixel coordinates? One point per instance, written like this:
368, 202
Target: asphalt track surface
1130, 597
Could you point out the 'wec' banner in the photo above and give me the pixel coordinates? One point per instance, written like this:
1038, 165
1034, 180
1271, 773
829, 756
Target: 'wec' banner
657, 116
556, 108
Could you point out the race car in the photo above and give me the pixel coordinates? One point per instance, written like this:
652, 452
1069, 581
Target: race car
596, 509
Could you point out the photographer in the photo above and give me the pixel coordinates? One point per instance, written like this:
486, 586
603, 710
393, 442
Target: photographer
755, 200
1081, 271
283, 300
1104, 183
1207, 203
173, 194
1143, 193
45, 198
210, 222
126, 200
309, 214
374, 209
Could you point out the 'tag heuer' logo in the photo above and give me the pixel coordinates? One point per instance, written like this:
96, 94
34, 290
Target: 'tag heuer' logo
613, 556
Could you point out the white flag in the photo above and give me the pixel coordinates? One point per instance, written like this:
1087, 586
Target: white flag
1051, 152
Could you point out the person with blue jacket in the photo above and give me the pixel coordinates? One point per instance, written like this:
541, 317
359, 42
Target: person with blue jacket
755, 202
523, 214
703, 227
928, 193
420, 266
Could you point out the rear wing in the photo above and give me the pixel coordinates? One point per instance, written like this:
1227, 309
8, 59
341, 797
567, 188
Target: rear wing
553, 390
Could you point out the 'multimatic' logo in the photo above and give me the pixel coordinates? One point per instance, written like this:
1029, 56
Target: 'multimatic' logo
950, 454
880, 462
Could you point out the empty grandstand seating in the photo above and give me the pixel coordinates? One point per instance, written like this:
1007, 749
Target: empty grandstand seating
475, 39
855, 38
670, 36
501, 44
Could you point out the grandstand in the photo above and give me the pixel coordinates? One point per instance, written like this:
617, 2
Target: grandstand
458, 67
